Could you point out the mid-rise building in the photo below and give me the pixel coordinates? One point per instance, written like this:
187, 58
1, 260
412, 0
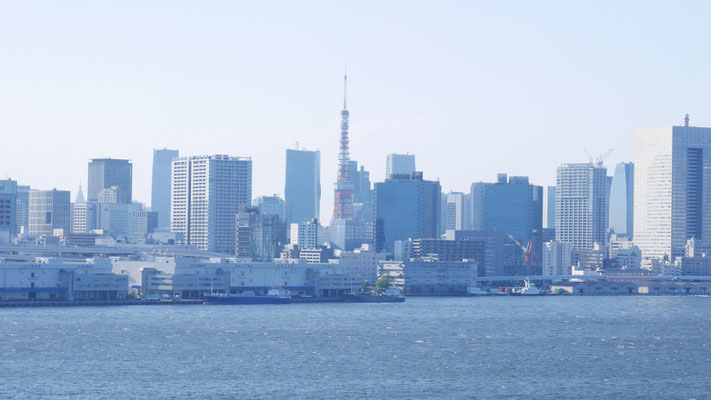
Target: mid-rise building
581, 205
105, 173
207, 192
8, 210
406, 206
259, 236
399, 164
549, 208
49, 210
456, 213
304, 235
302, 191
557, 258
672, 185
160, 184
429, 278
84, 217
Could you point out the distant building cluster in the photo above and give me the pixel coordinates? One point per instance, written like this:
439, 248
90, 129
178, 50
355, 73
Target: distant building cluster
650, 217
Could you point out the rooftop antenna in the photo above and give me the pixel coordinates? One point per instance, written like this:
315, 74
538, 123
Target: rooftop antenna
345, 87
686, 120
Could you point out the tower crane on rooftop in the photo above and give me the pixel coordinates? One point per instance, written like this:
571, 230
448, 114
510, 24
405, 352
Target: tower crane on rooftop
527, 251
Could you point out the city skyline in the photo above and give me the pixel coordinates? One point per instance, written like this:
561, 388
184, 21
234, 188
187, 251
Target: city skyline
548, 93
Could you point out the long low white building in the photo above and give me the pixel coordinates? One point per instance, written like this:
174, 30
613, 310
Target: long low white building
194, 278
430, 278
54, 279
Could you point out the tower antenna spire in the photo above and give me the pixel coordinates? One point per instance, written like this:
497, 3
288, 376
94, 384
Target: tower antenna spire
345, 88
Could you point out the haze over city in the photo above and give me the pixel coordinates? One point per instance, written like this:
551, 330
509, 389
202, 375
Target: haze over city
471, 88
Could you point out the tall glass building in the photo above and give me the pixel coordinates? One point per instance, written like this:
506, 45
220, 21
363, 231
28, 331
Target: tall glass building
406, 207
105, 173
8, 209
160, 184
302, 191
581, 205
622, 200
515, 206
672, 185
49, 210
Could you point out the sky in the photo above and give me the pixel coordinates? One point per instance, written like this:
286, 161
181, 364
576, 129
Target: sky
471, 88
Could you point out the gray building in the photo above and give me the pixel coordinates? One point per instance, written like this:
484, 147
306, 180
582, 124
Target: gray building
549, 208
273, 205
49, 210
259, 236
581, 205
207, 193
22, 215
399, 164
84, 217
105, 173
622, 200
302, 191
160, 184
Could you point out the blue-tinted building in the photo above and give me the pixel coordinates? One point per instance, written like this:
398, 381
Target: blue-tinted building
406, 206
515, 206
8, 209
622, 200
160, 185
302, 191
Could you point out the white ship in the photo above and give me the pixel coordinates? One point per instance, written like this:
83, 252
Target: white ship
528, 289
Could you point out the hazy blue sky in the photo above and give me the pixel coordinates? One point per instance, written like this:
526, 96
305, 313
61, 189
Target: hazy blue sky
471, 88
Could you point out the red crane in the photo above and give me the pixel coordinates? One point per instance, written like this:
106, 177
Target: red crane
527, 251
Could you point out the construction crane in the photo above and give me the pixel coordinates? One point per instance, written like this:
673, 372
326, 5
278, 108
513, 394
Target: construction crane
527, 251
600, 159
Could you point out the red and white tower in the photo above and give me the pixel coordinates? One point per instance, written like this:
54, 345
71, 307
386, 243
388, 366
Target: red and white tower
343, 196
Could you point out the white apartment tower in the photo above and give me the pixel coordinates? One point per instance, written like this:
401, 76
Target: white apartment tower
672, 185
557, 258
206, 194
581, 205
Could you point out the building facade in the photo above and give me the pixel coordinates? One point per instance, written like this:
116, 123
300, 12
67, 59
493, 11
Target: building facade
672, 185
302, 191
399, 164
406, 206
581, 205
622, 200
105, 173
8, 210
160, 184
49, 210
207, 192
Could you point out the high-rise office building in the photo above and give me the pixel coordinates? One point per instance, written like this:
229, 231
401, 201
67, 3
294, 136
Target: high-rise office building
581, 212
672, 185
302, 191
557, 258
622, 200
160, 184
271, 205
515, 206
456, 212
49, 210
105, 173
8, 209
400, 164
304, 234
406, 207
207, 192
22, 215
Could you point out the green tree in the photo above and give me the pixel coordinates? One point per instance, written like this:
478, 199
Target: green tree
381, 284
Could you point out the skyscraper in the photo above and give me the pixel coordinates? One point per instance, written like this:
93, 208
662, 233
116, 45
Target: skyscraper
581, 198
271, 205
455, 211
406, 207
401, 164
622, 200
104, 173
160, 185
549, 208
672, 185
206, 195
302, 191
23, 210
259, 236
49, 210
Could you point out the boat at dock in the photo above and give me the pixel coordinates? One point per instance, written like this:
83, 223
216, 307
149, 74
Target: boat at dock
529, 289
391, 295
475, 290
276, 295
